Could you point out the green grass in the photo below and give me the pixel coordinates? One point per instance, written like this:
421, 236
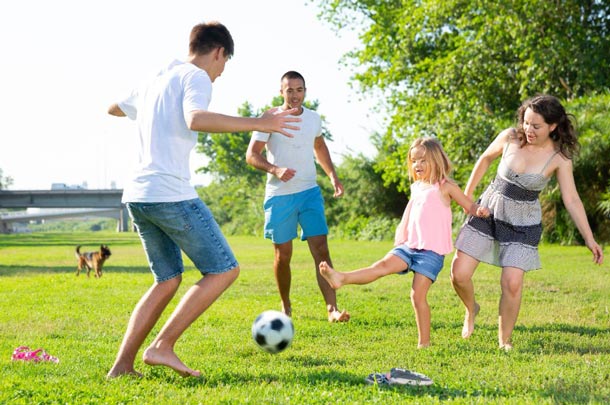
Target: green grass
561, 355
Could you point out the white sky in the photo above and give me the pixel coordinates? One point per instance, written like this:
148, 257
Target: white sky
65, 61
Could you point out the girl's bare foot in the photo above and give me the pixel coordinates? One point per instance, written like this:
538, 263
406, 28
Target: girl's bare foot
334, 278
336, 316
160, 357
469, 321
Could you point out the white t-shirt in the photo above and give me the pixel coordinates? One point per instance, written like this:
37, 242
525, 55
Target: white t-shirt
295, 153
162, 172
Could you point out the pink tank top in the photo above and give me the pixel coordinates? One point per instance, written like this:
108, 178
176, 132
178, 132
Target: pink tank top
429, 221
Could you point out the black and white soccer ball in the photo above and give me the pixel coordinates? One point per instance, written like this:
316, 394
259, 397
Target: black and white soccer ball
273, 331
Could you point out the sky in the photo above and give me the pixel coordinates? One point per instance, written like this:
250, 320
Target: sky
65, 61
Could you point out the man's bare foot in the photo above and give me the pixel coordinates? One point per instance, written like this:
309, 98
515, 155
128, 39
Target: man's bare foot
334, 278
119, 372
469, 321
287, 310
159, 357
336, 316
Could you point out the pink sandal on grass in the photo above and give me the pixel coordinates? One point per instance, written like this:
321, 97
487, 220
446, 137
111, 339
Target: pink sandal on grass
24, 353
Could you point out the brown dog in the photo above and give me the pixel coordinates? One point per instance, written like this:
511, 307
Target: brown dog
92, 260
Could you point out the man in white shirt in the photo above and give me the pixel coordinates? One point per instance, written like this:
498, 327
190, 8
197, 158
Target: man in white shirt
292, 195
165, 208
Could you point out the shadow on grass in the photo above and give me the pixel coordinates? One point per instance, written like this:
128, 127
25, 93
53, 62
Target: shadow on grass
315, 378
558, 337
561, 393
15, 271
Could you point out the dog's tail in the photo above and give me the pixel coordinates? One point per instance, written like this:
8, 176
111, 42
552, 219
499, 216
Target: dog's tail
78, 251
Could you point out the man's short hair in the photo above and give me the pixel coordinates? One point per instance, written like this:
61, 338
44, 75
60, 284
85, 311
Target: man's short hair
291, 74
206, 37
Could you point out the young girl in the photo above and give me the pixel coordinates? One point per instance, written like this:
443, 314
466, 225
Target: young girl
423, 237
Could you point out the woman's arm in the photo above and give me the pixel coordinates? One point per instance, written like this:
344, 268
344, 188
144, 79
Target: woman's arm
575, 207
491, 153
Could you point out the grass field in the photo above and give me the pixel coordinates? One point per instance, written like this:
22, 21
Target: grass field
561, 355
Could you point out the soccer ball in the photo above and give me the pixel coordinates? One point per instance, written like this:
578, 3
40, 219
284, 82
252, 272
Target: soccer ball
273, 331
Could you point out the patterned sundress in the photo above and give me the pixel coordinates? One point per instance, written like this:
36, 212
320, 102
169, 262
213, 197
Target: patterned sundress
511, 234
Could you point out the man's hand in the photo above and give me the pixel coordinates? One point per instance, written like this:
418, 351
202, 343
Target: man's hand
284, 173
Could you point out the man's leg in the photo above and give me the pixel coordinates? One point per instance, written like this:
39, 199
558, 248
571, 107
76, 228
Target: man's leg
283, 276
142, 320
318, 246
196, 300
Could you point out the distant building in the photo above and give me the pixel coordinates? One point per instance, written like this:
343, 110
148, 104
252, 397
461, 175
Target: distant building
64, 186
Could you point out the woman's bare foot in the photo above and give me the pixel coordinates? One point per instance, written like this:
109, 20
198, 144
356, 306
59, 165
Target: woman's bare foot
469, 321
507, 347
334, 278
159, 357
336, 316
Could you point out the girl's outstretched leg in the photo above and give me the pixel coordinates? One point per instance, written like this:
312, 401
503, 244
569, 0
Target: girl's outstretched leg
390, 264
333, 277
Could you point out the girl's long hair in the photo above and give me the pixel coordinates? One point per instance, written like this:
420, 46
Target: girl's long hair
440, 165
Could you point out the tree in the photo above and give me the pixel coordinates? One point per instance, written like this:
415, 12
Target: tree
5, 182
458, 69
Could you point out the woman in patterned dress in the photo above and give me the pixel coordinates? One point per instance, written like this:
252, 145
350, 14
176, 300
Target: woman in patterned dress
541, 146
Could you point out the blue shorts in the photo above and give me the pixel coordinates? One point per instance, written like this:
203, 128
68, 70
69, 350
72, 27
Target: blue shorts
167, 228
284, 212
424, 262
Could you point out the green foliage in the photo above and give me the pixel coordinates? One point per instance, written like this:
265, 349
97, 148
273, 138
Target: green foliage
561, 355
226, 152
459, 69
591, 174
237, 204
369, 210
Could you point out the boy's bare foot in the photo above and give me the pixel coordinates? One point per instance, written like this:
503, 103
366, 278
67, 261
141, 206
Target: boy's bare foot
334, 278
159, 357
336, 316
118, 372
469, 321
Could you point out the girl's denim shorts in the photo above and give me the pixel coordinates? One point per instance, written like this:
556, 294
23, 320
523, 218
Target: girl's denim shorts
425, 262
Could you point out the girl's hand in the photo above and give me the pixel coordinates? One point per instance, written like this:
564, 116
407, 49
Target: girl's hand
479, 211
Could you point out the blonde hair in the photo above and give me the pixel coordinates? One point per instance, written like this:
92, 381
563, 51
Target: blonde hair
440, 165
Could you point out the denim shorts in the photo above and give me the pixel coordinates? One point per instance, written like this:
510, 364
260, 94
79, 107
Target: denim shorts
424, 262
167, 228
284, 212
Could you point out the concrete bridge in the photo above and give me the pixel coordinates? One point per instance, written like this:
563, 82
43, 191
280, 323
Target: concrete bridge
81, 201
